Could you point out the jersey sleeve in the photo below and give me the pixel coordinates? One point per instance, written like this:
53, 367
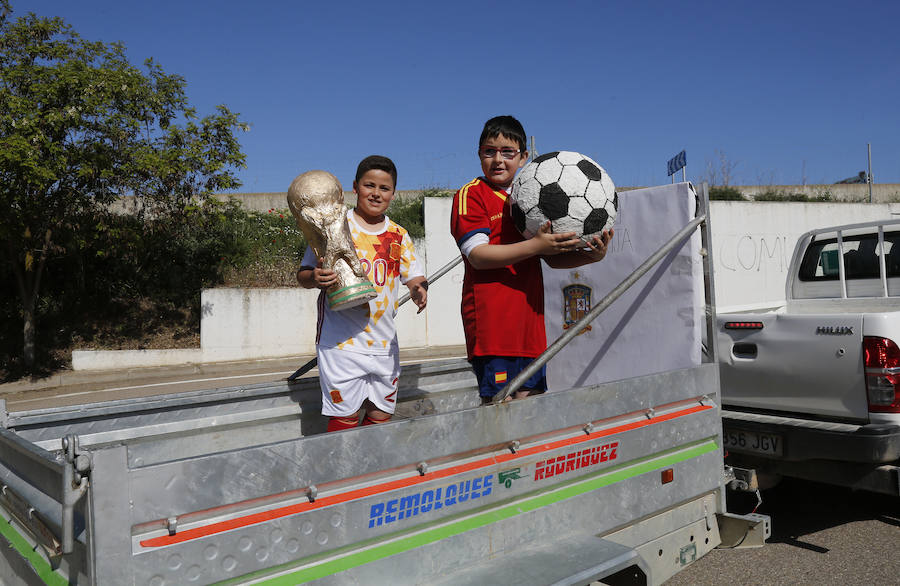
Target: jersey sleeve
468, 216
410, 267
309, 259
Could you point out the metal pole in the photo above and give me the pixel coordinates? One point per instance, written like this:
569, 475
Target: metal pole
437, 275
869, 178
706, 253
533, 149
431, 279
684, 174
554, 348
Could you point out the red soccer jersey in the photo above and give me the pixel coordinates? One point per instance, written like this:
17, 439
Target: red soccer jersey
502, 309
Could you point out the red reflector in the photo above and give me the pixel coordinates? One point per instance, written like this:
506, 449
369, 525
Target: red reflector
882, 360
668, 475
743, 325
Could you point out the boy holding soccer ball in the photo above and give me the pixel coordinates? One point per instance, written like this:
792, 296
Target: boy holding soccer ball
503, 289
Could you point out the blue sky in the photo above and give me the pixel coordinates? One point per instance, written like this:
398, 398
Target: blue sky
788, 91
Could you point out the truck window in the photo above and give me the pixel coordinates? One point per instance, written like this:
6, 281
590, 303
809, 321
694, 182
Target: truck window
820, 261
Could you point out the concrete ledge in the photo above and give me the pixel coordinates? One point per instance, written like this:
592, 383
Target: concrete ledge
118, 359
121, 359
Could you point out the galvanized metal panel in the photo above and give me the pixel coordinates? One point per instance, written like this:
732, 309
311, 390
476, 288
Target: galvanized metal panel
595, 512
226, 470
110, 519
207, 481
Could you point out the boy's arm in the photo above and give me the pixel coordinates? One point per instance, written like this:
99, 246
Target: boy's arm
598, 247
544, 243
418, 292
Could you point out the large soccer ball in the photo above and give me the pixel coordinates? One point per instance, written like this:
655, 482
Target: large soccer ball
570, 190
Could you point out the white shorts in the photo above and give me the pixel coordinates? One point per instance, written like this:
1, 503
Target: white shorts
349, 378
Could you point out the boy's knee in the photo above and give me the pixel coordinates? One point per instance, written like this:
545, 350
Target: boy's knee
376, 418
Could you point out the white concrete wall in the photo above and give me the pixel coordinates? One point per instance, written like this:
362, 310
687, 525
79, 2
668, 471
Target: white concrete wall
444, 320
752, 246
251, 323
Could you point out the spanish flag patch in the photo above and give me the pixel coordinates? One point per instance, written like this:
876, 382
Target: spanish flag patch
500, 377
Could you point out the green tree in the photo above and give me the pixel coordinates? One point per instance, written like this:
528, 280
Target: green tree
80, 127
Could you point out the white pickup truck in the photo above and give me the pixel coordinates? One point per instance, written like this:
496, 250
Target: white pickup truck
812, 390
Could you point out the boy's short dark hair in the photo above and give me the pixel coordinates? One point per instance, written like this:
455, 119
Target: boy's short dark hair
505, 125
379, 163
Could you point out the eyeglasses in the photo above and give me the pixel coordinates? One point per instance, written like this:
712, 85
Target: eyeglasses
491, 152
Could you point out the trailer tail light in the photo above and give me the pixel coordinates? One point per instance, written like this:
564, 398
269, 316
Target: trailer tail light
743, 325
882, 360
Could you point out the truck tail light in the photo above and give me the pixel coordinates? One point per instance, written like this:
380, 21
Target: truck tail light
882, 359
743, 325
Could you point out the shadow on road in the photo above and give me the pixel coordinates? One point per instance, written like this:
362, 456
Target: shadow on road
799, 507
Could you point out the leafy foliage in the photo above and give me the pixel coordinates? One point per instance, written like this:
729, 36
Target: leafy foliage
776, 195
725, 193
437, 192
80, 127
409, 212
273, 245
125, 280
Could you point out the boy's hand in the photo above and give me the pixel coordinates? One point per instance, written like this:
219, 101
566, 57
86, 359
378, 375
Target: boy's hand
599, 245
324, 277
418, 293
551, 243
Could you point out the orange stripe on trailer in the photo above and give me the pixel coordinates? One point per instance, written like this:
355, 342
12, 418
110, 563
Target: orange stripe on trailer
360, 493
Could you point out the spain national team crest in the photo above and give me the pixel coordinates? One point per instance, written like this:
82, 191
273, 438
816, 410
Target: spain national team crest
576, 304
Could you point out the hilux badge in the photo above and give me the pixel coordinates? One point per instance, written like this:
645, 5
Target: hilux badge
834, 331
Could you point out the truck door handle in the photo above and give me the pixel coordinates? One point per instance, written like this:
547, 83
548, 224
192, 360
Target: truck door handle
744, 350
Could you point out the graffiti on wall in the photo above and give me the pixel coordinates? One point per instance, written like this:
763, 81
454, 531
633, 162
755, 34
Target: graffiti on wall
754, 252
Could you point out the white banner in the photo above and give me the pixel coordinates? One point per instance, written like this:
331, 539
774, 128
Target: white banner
657, 324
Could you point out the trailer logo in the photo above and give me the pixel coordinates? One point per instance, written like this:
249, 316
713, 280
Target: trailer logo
506, 477
834, 331
429, 500
575, 460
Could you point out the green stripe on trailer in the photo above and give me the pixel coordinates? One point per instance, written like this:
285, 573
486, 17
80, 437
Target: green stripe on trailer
41, 566
468, 523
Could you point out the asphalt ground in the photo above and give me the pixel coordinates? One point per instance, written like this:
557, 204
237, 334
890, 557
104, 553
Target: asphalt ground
820, 535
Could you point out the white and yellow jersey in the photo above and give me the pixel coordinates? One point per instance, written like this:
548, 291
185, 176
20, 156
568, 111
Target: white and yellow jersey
389, 260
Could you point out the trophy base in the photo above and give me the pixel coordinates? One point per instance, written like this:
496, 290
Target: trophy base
351, 296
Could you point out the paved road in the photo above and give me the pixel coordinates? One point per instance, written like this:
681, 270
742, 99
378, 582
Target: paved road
820, 535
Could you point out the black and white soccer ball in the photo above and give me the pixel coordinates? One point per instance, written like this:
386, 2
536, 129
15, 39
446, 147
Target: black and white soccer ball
570, 190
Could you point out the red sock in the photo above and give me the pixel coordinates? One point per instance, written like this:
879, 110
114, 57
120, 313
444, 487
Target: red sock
339, 423
369, 421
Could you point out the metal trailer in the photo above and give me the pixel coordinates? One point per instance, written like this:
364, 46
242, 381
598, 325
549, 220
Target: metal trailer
622, 482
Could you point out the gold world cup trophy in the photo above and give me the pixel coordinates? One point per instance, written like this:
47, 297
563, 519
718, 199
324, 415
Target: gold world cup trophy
317, 203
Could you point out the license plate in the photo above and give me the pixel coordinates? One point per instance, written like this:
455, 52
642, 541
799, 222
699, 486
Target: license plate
749, 441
